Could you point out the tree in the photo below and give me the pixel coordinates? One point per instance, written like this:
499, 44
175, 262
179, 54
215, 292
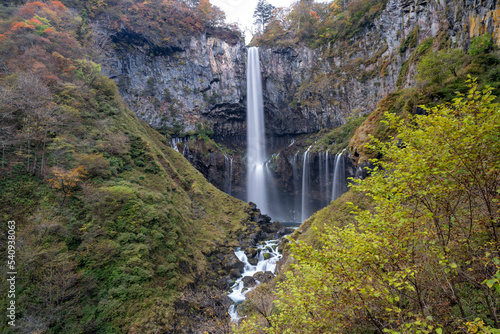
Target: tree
65, 181
263, 13
437, 66
212, 16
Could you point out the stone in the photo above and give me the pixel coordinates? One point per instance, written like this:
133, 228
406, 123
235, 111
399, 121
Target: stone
249, 281
264, 277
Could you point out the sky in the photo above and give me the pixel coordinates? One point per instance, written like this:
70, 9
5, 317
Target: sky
241, 11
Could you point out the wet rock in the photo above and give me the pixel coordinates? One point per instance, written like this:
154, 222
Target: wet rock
235, 273
264, 277
253, 206
249, 281
253, 261
231, 262
251, 252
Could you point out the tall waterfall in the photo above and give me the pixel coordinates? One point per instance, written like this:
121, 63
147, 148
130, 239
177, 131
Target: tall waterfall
256, 142
305, 186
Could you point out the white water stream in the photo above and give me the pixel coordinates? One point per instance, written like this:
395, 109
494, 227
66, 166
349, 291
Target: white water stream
238, 290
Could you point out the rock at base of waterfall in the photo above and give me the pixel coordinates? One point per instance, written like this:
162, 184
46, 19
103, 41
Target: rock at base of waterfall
263, 277
249, 281
235, 273
232, 262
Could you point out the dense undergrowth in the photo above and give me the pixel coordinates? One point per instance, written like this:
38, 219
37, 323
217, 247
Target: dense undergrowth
112, 225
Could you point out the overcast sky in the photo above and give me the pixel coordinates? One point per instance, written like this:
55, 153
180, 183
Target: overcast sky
241, 11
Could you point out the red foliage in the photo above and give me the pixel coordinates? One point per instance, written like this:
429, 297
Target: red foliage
16, 26
36, 21
31, 9
57, 6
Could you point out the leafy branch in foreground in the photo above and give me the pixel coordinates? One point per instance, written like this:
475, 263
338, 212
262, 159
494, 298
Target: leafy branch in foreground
423, 260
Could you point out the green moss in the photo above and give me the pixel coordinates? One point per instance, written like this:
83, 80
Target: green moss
410, 41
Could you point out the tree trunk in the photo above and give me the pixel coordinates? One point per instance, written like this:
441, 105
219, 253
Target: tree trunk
42, 165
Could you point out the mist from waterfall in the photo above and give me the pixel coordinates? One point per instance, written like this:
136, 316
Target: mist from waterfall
313, 182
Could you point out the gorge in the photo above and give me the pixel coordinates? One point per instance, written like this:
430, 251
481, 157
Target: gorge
153, 163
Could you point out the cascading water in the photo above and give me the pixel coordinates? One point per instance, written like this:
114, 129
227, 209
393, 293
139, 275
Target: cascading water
338, 176
231, 176
296, 187
256, 143
305, 186
321, 173
265, 263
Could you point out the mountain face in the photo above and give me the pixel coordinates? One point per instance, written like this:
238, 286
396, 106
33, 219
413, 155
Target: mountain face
203, 81
200, 84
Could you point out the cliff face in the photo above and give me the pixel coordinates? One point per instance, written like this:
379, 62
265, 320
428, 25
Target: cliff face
309, 89
198, 83
202, 81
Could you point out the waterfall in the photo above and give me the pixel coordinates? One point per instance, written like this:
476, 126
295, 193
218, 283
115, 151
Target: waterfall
338, 176
327, 178
256, 145
305, 186
321, 174
228, 174
185, 150
174, 141
296, 187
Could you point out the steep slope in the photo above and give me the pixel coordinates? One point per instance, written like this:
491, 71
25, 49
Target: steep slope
112, 225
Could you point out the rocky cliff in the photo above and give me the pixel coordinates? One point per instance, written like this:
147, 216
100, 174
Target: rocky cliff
309, 89
199, 84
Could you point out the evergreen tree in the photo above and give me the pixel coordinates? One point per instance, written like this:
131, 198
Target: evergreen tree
263, 13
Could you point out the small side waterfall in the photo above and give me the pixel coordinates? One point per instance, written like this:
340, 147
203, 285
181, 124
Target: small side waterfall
296, 175
327, 178
231, 175
305, 186
256, 143
174, 141
338, 176
228, 174
321, 173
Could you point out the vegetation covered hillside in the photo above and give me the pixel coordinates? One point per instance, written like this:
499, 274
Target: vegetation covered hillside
111, 224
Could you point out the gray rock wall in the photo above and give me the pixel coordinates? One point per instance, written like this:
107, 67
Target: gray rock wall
201, 82
310, 89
